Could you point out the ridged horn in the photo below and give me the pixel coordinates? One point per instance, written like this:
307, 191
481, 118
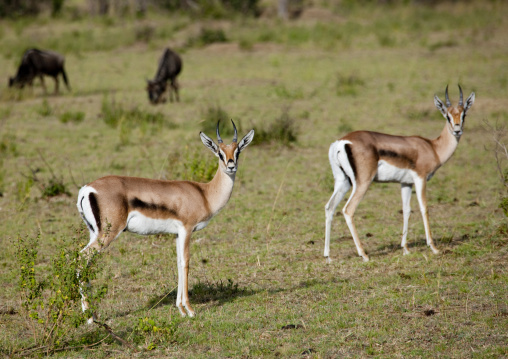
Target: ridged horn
218, 134
461, 97
235, 138
448, 103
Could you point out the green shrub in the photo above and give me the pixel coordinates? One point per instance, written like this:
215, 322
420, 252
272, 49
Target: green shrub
54, 188
50, 297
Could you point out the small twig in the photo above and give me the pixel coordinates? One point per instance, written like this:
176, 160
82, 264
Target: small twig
110, 331
162, 298
46, 163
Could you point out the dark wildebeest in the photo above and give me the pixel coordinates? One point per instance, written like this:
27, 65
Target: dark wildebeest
170, 66
37, 62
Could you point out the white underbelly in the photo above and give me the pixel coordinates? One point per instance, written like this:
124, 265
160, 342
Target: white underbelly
389, 173
140, 224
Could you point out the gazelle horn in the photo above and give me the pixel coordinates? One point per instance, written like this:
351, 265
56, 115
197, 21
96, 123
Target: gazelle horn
235, 138
218, 134
461, 97
448, 103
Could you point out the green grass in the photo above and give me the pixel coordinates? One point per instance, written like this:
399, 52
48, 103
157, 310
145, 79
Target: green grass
258, 280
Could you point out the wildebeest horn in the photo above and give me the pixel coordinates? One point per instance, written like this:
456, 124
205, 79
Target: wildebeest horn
218, 134
448, 103
461, 97
235, 138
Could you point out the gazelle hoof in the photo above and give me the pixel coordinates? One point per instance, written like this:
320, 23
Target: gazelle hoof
328, 260
405, 251
365, 258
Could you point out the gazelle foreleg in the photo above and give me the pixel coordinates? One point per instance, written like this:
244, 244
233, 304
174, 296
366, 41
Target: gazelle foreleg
182, 251
405, 190
342, 186
420, 187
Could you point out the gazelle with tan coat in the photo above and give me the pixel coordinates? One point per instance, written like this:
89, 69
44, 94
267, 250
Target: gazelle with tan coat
113, 204
361, 157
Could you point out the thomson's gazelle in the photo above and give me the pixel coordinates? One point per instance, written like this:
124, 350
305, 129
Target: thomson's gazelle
113, 204
361, 157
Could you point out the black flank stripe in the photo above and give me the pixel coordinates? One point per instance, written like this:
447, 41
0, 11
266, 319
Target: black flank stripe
388, 153
95, 210
350, 158
137, 203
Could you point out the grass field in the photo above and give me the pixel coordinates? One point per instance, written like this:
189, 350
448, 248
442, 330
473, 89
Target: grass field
258, 279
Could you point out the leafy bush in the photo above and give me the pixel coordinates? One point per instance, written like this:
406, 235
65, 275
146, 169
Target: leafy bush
51, 303
54, 188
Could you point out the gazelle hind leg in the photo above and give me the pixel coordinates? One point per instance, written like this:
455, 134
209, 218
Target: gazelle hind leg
342, 186
406, 190
349, 211
420, 187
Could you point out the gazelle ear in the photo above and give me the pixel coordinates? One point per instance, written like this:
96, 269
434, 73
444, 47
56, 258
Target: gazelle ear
440, 105
246, 140
469, 102
208, 142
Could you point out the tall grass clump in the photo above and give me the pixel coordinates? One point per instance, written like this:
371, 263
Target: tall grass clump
282, 131
50, 293
72, 116
348, 85
193, 164
116, 116
44, 109
207, 36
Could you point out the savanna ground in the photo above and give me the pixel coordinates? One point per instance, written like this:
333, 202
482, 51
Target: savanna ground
258, 279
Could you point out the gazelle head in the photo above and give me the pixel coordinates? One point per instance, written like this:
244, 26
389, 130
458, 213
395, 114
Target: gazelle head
455, 115
228, 154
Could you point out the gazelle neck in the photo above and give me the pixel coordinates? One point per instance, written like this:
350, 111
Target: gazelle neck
446, 144
219, 189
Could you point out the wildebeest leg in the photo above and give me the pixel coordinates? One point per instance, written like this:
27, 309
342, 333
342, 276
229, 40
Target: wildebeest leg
66, 81
56, 84
43, 84
174, 87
